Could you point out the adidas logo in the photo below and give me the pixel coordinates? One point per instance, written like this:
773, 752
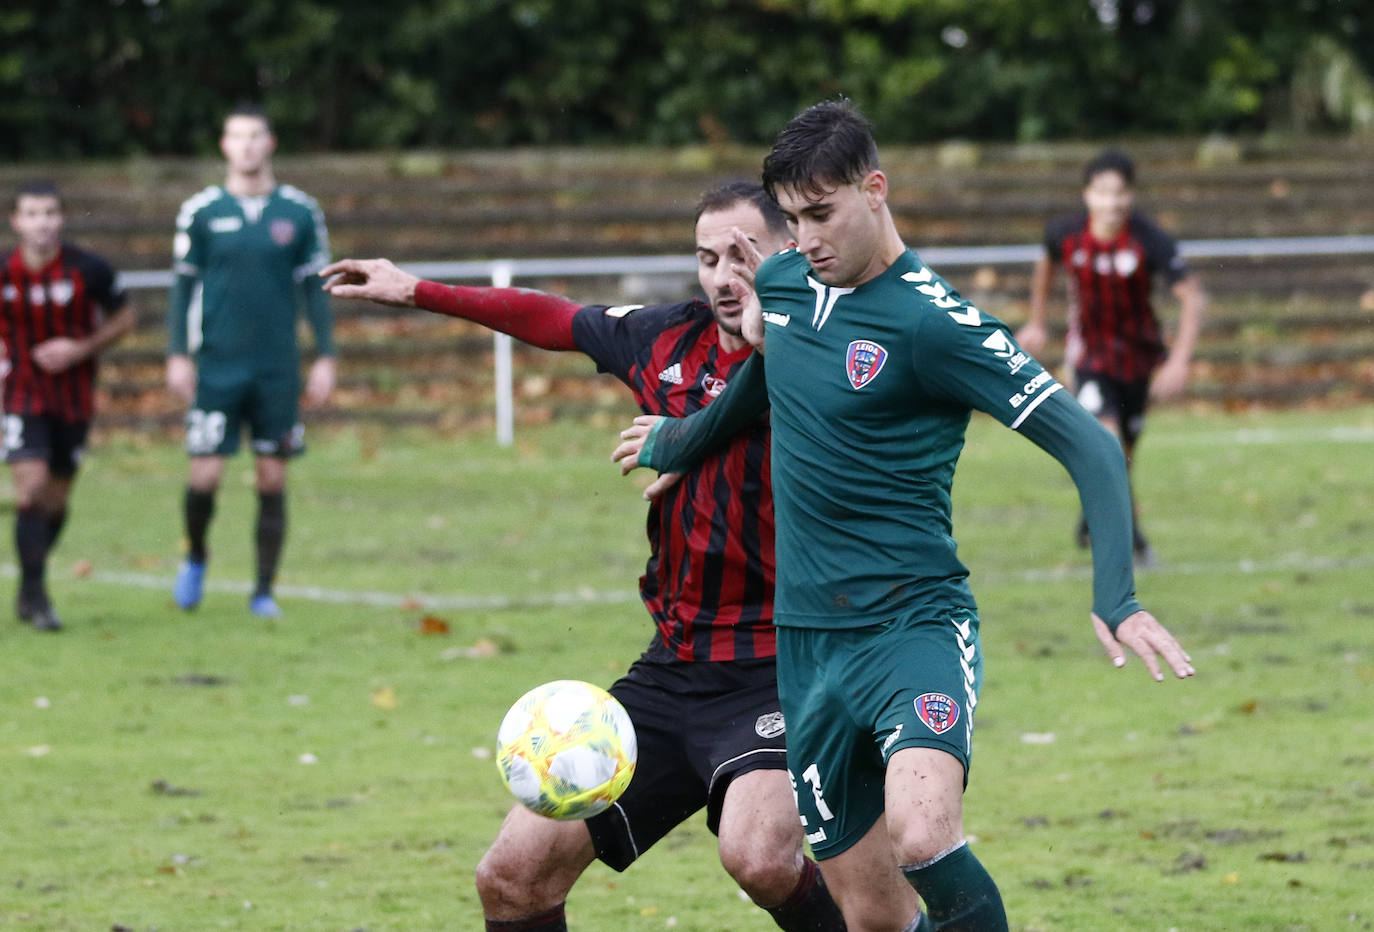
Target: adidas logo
672, 375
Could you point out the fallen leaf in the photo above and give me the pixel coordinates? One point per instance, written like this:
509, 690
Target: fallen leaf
411, 605
82, 568
1231, 878
433, 624
384, 698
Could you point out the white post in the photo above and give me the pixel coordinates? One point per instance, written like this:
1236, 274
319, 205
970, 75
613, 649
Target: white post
501, 347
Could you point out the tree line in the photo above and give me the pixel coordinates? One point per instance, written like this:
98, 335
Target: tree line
104, 78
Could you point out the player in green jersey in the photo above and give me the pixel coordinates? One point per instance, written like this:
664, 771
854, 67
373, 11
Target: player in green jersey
874, 365
248, 253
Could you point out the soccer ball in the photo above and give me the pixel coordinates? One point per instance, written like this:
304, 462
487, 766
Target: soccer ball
566, 749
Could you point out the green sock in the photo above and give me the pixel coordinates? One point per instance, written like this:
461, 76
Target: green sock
958, 892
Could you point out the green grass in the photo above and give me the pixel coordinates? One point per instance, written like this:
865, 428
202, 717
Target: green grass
1240, 799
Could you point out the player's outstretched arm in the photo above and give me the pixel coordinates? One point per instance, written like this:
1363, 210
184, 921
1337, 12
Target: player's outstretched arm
376, 280
1150, 641
534, 317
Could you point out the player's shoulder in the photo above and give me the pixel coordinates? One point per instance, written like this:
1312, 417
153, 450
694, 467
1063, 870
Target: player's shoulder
200, 200
84, 259
780, 265
655, 316
295, 195
1065, 225
1144, 227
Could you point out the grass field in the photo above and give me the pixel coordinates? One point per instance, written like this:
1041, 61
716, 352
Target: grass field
331, 771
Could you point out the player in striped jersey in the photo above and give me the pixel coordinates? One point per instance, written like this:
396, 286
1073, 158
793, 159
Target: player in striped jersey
60, 307
247, 253
703, 697
1115, 349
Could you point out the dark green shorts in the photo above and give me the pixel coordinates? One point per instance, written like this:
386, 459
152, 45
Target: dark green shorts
853, 696
267, 403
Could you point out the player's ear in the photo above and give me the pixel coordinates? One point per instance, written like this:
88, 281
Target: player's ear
874, 188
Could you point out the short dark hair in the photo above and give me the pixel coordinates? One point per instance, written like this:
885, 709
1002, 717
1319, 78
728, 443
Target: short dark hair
729, 193
41, 188
246, 109
823, 147
1110, 160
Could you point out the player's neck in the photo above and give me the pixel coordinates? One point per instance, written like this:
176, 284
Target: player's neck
254, 184
730, 342
890, 249
36, 258
1102, 230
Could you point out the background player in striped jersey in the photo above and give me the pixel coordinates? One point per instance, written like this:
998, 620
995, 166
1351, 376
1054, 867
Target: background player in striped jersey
247, 254
1114, 347
703, 697
873, 368
59, 308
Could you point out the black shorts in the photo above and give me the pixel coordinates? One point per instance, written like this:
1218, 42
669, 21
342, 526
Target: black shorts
45, 437
699, 726
1123, 402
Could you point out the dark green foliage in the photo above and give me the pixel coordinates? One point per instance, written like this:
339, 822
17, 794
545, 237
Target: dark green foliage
112, 77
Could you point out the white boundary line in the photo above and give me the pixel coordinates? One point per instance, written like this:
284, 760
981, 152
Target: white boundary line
1293, 562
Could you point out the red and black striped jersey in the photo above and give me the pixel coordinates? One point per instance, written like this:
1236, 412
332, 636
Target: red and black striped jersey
1113, 329
710, 575
65, 298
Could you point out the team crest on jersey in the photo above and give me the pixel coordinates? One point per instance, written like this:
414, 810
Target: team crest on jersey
938, 711
283, 232
770, 725
863, 362
713, 385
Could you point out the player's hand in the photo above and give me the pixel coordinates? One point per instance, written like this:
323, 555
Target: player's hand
1032, 337
370, 280
320, 382
59, 354
632, 441
1170, 380
181, 378
627, 455
1149, 639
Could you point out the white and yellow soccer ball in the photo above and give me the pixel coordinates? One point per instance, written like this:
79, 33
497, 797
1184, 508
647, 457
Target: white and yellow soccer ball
566, 749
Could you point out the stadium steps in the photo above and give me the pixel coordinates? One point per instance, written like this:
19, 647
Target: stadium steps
1291, 330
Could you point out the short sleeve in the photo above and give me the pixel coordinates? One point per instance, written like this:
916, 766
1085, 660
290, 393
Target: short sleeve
1161, 251
617, 337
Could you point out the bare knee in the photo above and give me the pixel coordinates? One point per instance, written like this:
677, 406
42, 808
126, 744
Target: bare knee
531, 865
767, 865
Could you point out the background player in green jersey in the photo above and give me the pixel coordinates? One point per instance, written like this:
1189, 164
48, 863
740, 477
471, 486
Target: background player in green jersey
874, 365
248, 254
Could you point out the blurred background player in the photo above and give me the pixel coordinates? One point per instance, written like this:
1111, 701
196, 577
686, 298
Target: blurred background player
246, 254
59, 308
703, 697
1114, 343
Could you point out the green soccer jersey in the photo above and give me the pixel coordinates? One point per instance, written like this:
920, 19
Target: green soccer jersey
871, 390
242, 266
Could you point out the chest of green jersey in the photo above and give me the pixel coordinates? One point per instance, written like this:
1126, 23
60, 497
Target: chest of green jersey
845, 353
268, 235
